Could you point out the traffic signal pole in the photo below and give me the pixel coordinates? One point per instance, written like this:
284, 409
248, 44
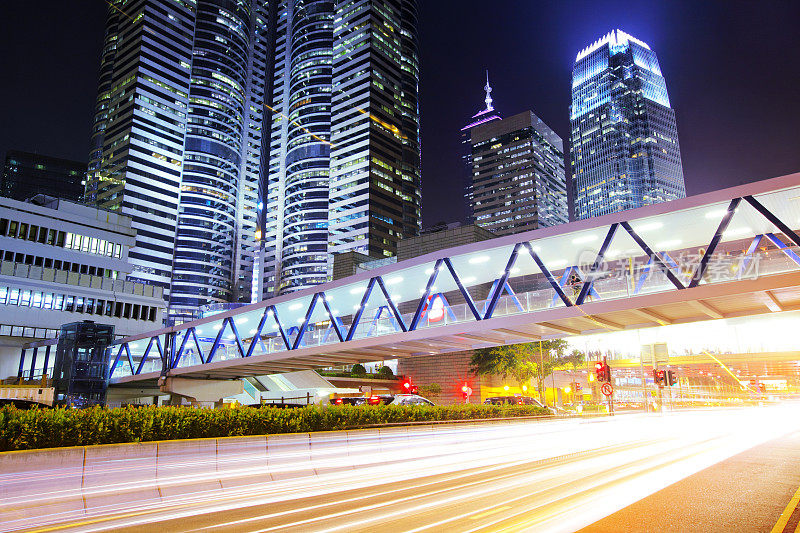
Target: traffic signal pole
644, 385
660, 400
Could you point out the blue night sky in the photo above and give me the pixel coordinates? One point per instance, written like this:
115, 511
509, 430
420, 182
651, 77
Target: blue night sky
730, 66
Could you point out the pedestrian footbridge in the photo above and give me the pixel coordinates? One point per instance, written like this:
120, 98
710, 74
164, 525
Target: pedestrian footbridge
728, 253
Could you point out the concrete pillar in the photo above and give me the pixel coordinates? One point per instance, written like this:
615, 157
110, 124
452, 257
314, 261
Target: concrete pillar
46, 360
33, 362
21, 363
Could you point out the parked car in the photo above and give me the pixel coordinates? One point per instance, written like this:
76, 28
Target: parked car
409, 399
383, 399
350, 400
514, 400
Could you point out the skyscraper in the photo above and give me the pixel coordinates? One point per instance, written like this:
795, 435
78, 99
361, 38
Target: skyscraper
26, 175
624, 148
518, 180
483, 116
344, 171
176, 142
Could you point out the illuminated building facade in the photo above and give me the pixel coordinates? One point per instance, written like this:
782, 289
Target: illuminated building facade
344, 171
624, 150
176, 141
518, 179
483, 116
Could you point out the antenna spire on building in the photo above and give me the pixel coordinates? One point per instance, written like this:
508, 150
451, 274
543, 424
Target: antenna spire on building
488, 89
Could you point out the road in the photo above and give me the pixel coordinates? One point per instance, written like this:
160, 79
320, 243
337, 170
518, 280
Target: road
559, 475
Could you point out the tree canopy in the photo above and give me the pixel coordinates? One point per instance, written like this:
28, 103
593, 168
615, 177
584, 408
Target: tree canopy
523, 362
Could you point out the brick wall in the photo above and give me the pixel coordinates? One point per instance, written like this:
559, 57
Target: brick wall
449, 370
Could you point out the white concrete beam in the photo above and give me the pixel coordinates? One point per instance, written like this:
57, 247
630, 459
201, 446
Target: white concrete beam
706, 308
652, 315
772, 302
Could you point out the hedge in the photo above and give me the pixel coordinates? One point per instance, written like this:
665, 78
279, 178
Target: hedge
52, 428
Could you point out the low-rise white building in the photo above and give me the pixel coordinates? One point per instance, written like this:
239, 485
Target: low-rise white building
63, 262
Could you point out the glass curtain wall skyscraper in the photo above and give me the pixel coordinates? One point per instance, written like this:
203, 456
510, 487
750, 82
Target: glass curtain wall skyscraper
344, 169
296, 219
177, 143
624, 150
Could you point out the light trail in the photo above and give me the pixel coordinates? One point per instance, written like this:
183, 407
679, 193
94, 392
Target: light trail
544, 476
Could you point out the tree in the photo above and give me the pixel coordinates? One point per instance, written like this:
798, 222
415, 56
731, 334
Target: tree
525, 361
513, 361
358, 371
385, 372
576, 358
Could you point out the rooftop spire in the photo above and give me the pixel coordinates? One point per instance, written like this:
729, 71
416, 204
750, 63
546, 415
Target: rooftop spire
488, 89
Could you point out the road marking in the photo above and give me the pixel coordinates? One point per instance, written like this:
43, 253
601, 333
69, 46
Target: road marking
787, 513
489, 512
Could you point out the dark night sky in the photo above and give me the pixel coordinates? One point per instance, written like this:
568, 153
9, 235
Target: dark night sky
732, 71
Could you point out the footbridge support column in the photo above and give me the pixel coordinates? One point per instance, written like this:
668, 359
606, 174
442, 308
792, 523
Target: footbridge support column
201, 392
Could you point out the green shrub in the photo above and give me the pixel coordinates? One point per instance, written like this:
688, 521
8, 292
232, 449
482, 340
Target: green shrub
51, 428
385, 372
430, 391
358, 370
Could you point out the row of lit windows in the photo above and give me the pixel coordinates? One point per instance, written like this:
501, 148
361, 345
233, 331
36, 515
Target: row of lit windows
62, 239
76, 304
57, 264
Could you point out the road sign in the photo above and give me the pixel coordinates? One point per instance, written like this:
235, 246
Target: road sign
653, 354
607, 389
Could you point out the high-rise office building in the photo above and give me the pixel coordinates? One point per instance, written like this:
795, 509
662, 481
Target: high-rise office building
518, 180
25, 175
483, 116
176, 142
624, 149
344, 171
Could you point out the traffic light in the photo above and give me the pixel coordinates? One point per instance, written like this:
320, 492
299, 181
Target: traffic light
466, 392
659, 377
672, 379
603, 372
407, 387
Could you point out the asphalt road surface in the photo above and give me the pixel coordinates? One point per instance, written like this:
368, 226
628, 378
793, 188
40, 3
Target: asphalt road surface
560, 475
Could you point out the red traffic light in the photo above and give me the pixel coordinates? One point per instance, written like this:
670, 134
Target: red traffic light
406, 387
603, 372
